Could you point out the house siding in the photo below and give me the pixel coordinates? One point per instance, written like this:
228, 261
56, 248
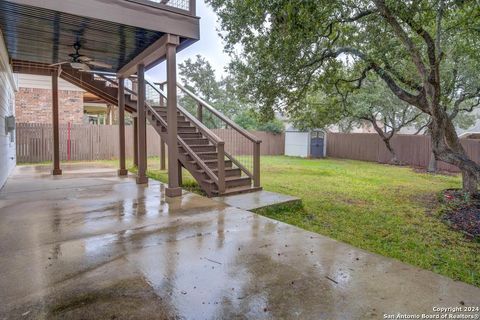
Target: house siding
7, 108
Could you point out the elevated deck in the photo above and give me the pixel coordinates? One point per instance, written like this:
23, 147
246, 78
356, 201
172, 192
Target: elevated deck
112, 31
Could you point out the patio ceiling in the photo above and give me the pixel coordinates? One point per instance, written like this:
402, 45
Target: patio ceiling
41, 35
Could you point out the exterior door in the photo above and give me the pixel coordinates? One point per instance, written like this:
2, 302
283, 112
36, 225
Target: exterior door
316, 144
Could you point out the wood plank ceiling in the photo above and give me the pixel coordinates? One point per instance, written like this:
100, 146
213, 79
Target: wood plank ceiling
46, 36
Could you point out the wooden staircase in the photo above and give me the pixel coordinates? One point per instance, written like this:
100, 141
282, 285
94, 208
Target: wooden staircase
200, 151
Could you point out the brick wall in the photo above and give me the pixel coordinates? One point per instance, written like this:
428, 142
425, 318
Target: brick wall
34, 105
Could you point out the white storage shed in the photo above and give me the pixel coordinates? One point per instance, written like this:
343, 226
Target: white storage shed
307, 144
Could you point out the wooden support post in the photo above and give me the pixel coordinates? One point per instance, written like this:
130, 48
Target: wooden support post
122, 171
142, 127
162, 143
162, 154
256, 164
56, 135
173, 189
162, 98
135, 141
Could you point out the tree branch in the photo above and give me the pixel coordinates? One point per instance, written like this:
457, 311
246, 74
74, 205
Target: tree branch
398, 30
358, 16
462, 98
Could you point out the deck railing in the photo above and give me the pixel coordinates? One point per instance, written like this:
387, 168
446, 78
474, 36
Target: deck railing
241, 147
238, 145
181, 6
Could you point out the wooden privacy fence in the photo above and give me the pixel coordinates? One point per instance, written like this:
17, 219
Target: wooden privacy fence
410, 149
100, 142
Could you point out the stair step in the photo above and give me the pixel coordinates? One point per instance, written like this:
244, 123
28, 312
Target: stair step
229, 172
184, 129
207, 155
234, 182
163, 110
164, 114
212, 163
189, 135
180, 118
238, 190
203, 147
196, 141
183, 123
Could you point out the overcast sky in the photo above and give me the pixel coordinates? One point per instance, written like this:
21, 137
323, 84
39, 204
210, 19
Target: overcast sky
209, 46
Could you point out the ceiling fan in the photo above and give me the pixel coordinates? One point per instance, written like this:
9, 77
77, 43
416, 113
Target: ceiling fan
82, 62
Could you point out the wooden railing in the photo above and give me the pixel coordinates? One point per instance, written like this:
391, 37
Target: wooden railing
179, 6
156, 96
248, 162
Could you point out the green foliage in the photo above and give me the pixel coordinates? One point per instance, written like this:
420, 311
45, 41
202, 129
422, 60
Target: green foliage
373, 104
199, 77
250, 120
274, 126
286, 51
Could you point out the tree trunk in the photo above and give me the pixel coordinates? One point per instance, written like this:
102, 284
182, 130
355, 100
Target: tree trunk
447, 147
394, 159
432, 165
386, 139
469, 182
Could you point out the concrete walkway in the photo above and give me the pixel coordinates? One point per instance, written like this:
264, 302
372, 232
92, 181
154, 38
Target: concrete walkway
90, 245
257, 200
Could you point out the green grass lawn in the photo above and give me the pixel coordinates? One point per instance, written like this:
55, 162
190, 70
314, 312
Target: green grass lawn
389, 210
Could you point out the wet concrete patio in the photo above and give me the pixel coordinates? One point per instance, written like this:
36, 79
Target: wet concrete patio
90, 245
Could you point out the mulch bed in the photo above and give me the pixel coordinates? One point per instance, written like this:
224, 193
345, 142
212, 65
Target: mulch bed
462, 212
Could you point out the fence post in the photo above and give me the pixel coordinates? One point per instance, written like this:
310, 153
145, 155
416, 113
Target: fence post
69, 142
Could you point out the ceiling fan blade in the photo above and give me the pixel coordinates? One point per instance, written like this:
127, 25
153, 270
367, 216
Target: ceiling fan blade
79, 66
58, 63
99, 64
84, 59
85, 67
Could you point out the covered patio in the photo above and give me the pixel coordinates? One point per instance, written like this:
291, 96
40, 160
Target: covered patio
90, 244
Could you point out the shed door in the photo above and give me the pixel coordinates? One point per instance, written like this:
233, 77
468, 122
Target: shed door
316, 144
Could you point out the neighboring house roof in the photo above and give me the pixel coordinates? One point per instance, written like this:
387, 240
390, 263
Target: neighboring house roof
470, 135
473, 129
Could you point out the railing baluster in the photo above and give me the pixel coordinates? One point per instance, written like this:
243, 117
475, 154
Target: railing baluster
238, 145
221, 167
256, 164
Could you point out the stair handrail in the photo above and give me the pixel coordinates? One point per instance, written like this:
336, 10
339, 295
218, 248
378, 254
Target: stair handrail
232, 124
219, 178
104, 77
206, 168
256, 142
209, 133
